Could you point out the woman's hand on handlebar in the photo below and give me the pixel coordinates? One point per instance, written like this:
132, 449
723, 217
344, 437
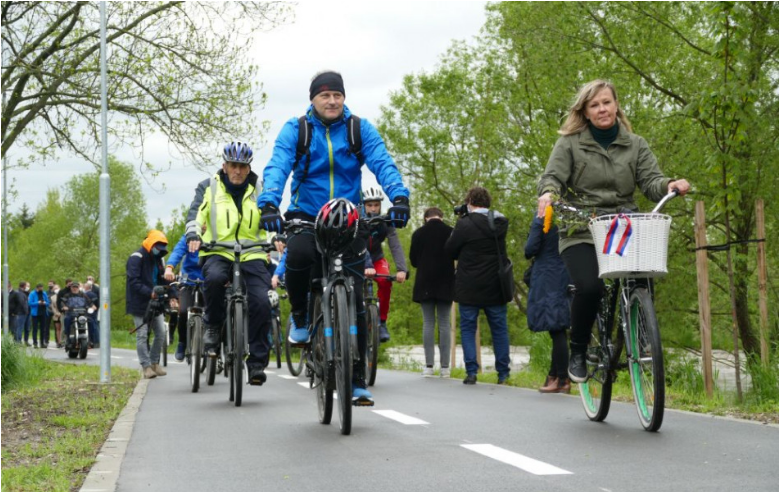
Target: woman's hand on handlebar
169, 274
681, 185
275, 281
369, 272
544, 201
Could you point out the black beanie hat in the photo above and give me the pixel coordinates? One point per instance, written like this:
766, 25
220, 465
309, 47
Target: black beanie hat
328, 81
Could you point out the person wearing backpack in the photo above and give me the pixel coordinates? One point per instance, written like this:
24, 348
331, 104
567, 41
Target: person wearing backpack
477, 243
324, 150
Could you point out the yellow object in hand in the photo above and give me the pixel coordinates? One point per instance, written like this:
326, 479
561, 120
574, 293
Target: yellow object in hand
548, 218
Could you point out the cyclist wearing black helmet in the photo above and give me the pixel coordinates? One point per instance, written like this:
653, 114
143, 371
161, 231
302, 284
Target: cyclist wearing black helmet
229, 213
328, 166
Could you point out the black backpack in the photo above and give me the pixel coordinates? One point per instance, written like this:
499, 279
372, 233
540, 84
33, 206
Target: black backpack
306, 138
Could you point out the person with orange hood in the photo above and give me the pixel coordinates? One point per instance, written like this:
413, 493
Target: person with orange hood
144, 270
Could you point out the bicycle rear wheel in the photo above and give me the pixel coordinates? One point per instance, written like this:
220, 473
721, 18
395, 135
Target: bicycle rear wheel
238, 333
324, 396
646, 360
596, 393
275, 331
164, 347
373, 343
343, 360
295, 357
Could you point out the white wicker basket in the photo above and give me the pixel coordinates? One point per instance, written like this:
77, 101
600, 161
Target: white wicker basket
643, 255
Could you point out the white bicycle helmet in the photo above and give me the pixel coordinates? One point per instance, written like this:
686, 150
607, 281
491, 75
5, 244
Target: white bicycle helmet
372, 194
274, 299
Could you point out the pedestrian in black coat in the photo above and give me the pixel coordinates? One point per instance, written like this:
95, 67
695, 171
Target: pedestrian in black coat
434, 287
548, 305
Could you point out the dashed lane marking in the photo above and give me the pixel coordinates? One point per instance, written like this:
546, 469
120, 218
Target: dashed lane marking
285, 376
400, 417
304, 385
522, 462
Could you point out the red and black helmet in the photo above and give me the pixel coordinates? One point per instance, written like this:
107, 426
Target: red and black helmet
336, 225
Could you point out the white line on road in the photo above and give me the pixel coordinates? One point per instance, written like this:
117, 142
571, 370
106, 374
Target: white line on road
529, 465
304, 385
285, 376
400, 417
114, 356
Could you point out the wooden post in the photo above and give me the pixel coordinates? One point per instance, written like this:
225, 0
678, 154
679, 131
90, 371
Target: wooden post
702, 276
453, 334
762, 267
478, 345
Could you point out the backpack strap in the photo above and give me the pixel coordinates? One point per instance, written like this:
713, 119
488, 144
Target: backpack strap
355, 137
303, 149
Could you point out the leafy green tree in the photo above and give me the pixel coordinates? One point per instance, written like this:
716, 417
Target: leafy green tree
172, 68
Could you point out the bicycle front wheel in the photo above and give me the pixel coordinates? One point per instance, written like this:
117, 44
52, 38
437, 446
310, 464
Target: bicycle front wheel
238, 333
646, 360
324, 396
373, 343
195, 328
596, 393
343, 360
275, 330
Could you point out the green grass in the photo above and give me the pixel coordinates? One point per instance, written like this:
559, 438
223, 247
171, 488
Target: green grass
54, 424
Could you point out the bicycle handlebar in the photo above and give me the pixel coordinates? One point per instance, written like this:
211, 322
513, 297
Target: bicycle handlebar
562, 206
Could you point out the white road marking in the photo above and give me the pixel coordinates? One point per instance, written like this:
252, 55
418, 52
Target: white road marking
400, 417
286, 376
270, 371
304, 385
522, 462
114, 356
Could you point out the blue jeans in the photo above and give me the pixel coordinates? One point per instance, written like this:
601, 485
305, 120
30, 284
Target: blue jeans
148, 356
498, 325
17, 325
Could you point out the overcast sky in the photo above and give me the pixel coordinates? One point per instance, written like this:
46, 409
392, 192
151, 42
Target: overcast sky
373, 45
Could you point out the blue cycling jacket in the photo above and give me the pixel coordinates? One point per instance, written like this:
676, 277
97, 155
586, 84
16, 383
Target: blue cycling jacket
334, 170
190, 267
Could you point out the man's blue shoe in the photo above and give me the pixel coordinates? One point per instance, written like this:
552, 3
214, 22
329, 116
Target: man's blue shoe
179, 355
298, 334
361, 397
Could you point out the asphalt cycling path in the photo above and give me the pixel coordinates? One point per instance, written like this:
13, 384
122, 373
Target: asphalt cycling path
427, 434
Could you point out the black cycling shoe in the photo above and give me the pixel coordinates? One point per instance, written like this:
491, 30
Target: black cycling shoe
470, 379
212, 341
256, 374
577, 368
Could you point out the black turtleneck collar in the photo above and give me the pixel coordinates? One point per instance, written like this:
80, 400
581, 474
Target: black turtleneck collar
605, 137
237, 191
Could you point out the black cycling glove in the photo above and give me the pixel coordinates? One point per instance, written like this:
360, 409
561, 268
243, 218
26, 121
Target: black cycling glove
271, 220
400, 212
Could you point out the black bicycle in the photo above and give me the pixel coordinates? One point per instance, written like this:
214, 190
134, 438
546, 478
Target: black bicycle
333, 346
639, 334
373, 325
194, 348
234, 334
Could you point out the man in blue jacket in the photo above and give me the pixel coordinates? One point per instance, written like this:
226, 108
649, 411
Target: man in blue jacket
330, 168
190, 272
38, 301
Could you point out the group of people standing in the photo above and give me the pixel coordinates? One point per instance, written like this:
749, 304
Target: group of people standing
35, 311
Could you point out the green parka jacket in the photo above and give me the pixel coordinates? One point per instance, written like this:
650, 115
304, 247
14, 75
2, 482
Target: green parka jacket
601, 180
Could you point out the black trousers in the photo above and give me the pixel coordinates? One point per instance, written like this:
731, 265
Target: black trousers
185, 302
559, 366
217, 273
304, 264
582, 266
40, 321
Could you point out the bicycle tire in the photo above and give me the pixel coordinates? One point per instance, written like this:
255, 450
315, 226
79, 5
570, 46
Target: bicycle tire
196, 333
596, 393
373, 343
343, 359
291, 353
646, 360
323, 395
276, 341
238, 333
164, 346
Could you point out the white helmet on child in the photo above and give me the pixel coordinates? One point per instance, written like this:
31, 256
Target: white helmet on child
372, 194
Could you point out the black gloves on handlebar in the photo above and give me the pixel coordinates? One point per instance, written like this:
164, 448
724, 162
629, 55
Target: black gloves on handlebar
271, 220
400, 212
191, 237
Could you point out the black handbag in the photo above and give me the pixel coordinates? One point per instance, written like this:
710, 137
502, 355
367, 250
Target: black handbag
506, 267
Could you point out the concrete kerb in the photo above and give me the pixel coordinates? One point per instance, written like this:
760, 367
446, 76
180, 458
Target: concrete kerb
105, 473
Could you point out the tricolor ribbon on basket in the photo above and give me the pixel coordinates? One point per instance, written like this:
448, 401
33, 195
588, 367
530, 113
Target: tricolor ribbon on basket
613, 229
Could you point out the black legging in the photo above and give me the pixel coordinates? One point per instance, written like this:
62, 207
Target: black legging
582, 265
185, 301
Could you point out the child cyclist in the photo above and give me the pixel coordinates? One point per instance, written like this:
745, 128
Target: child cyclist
372, 197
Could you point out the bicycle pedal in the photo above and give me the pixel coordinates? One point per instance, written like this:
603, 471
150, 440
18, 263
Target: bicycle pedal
363, 403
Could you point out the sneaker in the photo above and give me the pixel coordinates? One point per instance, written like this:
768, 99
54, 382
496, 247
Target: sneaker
256, 374
502, 379
149, 373
445, 372
361, 397
577, 368
427, 372
179, 355
470, 379
158, 370
384, 332
212, 341
298, 334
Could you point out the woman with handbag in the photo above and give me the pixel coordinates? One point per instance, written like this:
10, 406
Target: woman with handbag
547, 302
478, 243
